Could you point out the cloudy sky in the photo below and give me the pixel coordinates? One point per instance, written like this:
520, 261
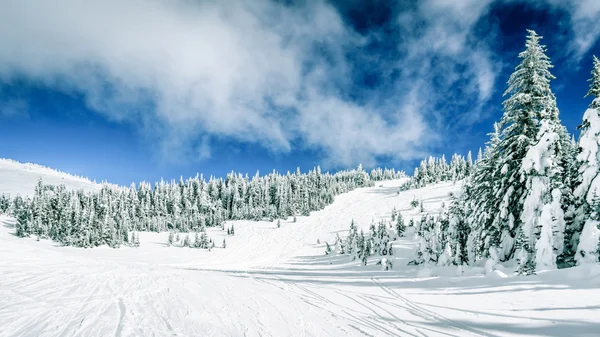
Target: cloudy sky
130, 90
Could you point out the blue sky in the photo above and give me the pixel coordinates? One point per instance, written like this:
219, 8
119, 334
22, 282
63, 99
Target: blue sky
142, 90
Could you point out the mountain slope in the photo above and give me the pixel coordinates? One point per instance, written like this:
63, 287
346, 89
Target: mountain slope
273, 281
21, 178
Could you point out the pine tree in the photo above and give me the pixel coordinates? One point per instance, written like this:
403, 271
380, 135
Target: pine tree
224, 244
136, 240
400, 226
588, 249
530, 102
197, 242
4, 203
542, 212
23, 215
351, 239
479, 205
588, 188
368, 249
171, 237
521, 173
383, 239
360, 246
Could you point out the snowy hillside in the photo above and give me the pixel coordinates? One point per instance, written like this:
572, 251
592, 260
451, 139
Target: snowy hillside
21, 178
272, 281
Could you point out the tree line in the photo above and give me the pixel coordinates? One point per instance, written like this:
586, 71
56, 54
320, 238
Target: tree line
108, 216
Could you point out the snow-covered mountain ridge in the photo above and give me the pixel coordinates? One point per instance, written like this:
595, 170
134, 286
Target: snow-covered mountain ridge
21, 178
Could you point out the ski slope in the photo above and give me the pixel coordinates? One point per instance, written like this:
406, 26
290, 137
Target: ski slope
21, 178
273, 281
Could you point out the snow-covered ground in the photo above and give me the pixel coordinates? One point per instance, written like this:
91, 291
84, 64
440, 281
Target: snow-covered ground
21, 178
273, 281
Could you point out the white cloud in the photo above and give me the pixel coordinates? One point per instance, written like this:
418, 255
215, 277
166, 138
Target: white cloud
584, 17
444, 58
187, 72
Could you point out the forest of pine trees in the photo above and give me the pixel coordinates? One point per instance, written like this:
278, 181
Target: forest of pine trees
76, 218
533, 195
435, 170
359, 247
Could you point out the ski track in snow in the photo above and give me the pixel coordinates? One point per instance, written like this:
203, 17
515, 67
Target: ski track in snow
278, 282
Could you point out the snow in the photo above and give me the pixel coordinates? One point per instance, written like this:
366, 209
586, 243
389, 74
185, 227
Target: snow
273, 281
540, 156
589, 156
588, 243
21, 178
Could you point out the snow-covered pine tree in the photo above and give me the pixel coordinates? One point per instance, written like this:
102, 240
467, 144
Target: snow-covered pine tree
414, 203
542, 230
400, 226
197, 243
171, 238
341, 247
382, 242
224, 243
353, 248
478, 203
4, 203
588, 249
23, 215
588, 188
530, 100
368, 249
351, 239
374, 239
136, 240
469, 163
360, 246
458, 230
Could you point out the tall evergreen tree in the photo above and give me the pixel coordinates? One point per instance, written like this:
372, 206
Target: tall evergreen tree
588, 188
530, 100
